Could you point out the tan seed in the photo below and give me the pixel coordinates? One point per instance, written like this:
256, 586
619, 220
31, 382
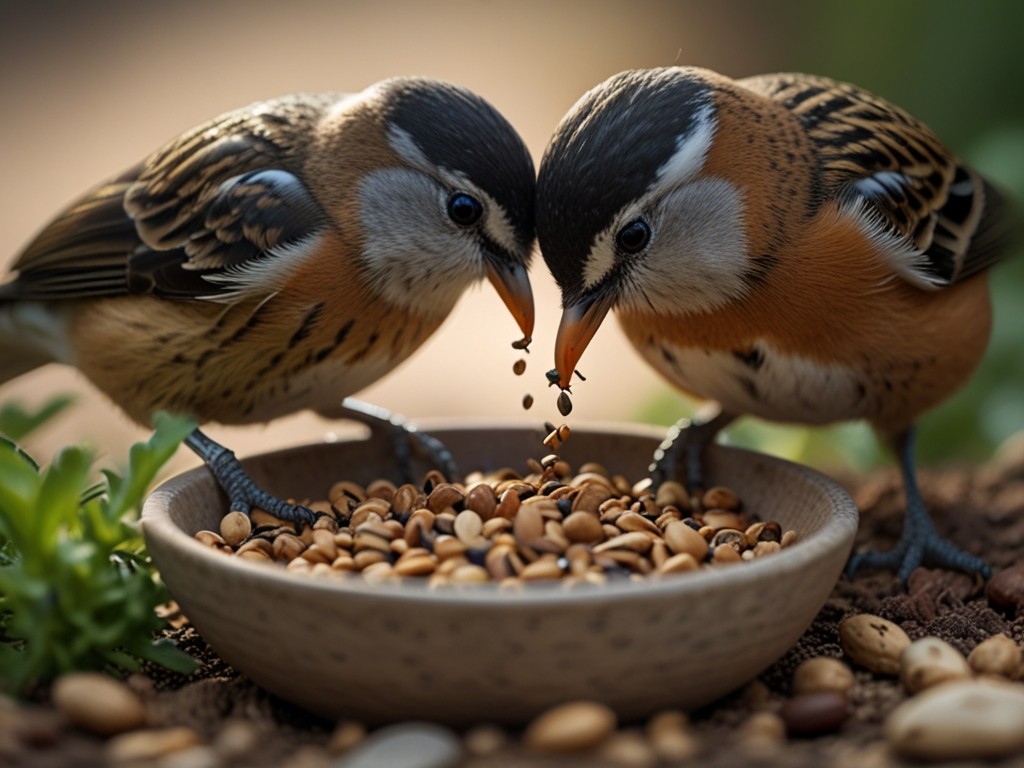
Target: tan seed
822, 674
873, 642
720, 518
583, 528
627, 748
210, 539
443, 496
720, 497
469, 527
509, 504
634, 542
148, 745
670, 736
235, 527
788, 539
259, 545
446, 547
346, 490
726, 555
542, 569
672, 493
997, 655
98, 703
494, 526
679, 564
420, 565
571, 727
930, 661
529, 523
631, 521
470, 574
368, 557
407, 498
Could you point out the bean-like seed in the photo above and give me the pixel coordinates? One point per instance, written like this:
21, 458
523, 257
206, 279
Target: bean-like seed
519, 367
564, 403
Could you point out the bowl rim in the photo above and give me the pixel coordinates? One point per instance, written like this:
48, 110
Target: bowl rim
838, 531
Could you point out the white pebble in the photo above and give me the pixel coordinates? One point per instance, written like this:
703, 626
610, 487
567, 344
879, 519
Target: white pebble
961, 720
408, 745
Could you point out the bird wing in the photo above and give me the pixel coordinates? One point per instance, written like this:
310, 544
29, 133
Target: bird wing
205, 217
937, 219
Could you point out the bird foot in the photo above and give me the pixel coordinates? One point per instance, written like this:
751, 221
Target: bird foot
919, 547
244, 495
684, 445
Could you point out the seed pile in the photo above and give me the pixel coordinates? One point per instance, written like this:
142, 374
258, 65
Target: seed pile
550, 523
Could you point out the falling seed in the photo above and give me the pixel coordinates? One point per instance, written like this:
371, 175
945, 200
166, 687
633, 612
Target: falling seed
580, 375
552, 376
519, 367
564, 403
557, 437
527, 401
523, 343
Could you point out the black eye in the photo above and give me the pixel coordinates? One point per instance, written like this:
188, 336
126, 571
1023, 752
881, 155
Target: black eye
464, 210
633, 237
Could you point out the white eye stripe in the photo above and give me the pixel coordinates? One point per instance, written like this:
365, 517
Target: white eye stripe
691, 152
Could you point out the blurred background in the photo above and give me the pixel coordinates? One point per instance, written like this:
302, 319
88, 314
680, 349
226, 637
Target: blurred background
90, 88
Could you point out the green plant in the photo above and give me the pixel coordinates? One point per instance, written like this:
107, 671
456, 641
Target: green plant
76, 588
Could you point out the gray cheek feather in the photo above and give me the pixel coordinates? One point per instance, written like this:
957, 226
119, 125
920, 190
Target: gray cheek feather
416, 256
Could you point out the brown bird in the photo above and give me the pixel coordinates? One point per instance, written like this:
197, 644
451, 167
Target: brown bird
786, 246
278, 257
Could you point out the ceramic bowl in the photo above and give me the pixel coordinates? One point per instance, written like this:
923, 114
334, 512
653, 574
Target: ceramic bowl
398, 651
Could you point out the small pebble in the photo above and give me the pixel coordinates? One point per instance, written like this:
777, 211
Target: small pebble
98, 703
1006, 588
813, 714
998, 655
406, 745
571, 727
764, 726
628, 748
930, 661
873, 642
962, 720
484, 740
236, 738
669, 734
346, 735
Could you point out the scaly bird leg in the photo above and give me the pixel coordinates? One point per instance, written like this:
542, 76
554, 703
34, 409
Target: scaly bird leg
685, 442
405, 436
919, 543
242, 492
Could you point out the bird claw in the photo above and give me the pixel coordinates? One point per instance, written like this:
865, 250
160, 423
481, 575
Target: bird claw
684, 444
244, 495
916, 548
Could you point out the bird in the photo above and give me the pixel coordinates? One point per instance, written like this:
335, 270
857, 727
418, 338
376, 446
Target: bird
785, 246
280, 256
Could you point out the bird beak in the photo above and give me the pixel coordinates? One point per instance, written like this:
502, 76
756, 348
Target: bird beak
513, 285
579, 324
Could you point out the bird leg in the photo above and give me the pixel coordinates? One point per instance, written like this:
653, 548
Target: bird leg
920, 542
242, 492
405, 436
685, 442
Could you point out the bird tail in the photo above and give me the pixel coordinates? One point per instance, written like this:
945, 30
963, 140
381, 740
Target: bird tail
31, 335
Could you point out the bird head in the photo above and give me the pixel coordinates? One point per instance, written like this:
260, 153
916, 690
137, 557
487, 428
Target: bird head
629, 215
446, 196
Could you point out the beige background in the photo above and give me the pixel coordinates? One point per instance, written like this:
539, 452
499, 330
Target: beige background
90, 88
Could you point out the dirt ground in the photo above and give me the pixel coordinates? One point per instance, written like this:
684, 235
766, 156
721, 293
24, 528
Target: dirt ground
981, 508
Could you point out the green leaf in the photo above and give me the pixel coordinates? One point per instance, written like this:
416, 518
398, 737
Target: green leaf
16, 421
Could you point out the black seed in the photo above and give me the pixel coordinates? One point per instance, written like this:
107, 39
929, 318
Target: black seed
564, 403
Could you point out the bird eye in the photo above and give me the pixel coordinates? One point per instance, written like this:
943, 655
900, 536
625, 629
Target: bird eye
633, 237
464, 210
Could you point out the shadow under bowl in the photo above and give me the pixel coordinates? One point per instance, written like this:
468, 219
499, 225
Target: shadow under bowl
382, 652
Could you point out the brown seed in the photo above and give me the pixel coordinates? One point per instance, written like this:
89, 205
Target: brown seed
564, 403
627, 747
210, 539
148, 745
470, 574
788, 539
407, 498
346, 735
929, 661
381, 489
519, 367
726, 555
527, 401
480, 498
1006, 587
346, 490
288, 546
680, 538
368, 557
420, 521
571, 727
343, 562
446, 547
672, 492
720, 497
669, 734
720, 518
763, 548
443, 496
814, 713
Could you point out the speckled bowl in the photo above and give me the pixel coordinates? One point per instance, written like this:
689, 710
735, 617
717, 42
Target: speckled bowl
380, 652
